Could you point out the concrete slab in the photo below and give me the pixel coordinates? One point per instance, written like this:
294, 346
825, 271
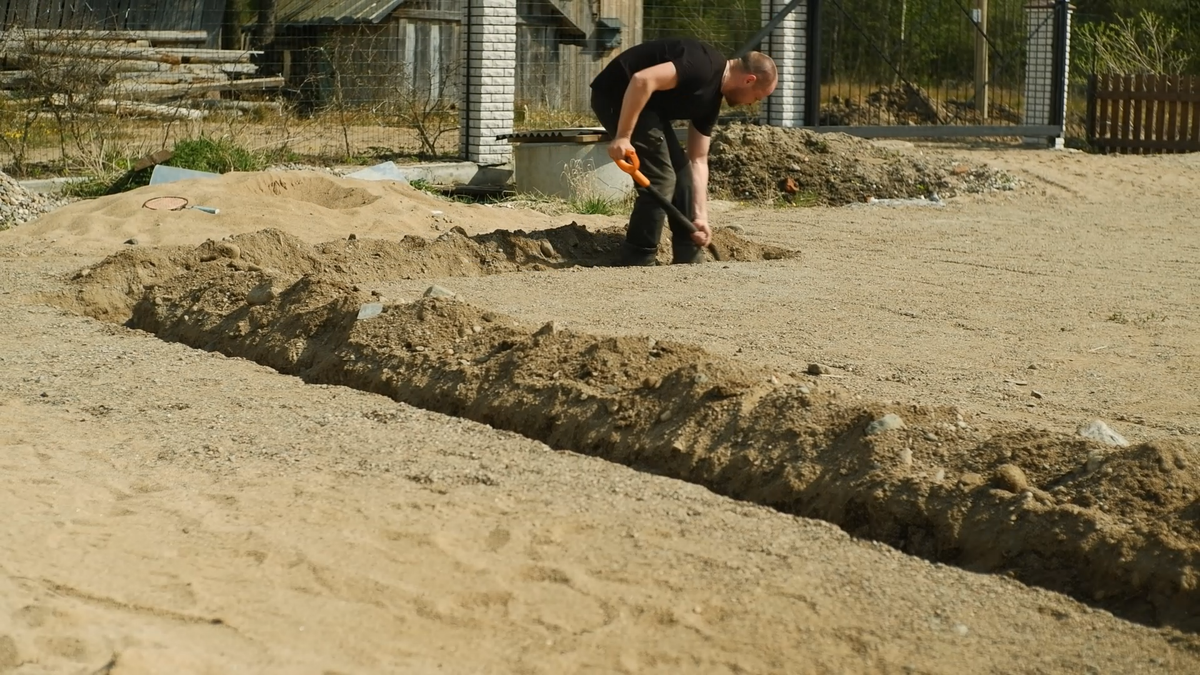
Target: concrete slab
439, 173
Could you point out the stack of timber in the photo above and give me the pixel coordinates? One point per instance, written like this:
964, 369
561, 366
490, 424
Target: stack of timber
150, 73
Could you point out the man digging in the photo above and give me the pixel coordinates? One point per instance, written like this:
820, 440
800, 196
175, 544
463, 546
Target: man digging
637, 96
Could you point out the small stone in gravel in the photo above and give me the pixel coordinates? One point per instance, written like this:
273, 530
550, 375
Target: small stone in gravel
352, 236
550, 328
886, 423
261, 294
1100, 432
228, 250
1012, 478
970, 479
548, 249
370, 310
131, 242
804, 390
1095, 460
961, 629
906, 457
818, 369
931, 437
1037, 394
436, 291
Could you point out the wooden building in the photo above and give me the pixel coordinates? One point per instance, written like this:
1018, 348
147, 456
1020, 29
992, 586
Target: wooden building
367, 51
126, 15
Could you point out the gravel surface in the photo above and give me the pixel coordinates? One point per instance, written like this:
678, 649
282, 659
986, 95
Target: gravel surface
18, 205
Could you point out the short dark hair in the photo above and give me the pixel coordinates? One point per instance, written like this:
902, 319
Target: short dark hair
760, 66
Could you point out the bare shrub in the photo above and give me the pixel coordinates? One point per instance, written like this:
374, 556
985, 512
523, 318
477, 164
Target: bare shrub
1144, 44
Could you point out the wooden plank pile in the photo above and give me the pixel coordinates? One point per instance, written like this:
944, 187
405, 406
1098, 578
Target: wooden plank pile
158, 74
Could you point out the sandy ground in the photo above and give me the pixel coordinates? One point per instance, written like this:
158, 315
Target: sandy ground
173, 510
1083, 287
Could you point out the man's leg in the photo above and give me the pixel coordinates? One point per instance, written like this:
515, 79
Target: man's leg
653, 150
683, 249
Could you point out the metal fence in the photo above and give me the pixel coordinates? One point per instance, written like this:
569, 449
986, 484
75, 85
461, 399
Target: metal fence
341, 80
924, 61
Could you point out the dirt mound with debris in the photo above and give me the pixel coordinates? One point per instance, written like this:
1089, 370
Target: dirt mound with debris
108, 290
755, 162
897, 105
1109, 525
19, 206
908, 104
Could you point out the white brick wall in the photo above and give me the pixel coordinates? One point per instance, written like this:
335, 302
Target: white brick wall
490, 52
787, 45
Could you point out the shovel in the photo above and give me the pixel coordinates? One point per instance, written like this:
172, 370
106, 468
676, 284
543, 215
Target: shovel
633, 168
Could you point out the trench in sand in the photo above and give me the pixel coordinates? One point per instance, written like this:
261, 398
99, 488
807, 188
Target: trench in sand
1112, 527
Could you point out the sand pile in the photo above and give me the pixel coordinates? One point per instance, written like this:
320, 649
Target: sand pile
766, 163
313, 205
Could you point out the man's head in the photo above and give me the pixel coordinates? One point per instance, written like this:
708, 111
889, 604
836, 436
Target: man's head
751, 78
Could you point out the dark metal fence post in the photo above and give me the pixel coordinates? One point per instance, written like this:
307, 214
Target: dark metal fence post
1091, 108
812, 68
1060, 77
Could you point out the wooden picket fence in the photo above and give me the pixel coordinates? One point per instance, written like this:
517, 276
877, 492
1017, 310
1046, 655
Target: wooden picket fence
1144, 114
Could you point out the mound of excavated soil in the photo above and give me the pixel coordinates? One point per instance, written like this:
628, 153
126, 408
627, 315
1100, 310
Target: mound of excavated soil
763, 162
108, 290
315, 206
18, 205
1117, 527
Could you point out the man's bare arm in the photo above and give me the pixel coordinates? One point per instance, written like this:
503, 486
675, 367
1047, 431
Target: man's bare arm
697, 152
642, 85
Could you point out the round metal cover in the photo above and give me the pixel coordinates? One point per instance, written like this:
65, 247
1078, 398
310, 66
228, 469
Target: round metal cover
165, 203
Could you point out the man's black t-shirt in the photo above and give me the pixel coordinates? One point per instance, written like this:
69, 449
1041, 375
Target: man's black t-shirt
699, 66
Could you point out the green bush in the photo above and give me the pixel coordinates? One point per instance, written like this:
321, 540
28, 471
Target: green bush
198, 154
214, 155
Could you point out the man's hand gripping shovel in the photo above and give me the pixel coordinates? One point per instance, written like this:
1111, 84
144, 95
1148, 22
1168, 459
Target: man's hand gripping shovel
632, 166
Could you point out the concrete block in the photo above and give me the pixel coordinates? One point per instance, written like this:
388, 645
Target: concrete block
547, 168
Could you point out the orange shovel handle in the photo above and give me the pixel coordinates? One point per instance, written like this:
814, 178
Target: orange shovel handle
631, 165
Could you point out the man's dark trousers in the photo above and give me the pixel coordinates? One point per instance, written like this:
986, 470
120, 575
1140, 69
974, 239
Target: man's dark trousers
665, 165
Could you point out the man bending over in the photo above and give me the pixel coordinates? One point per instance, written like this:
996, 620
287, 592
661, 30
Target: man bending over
637, 96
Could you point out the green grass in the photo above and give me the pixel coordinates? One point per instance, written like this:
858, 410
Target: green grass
425, 186
594, 206
198, 154
88, 189
804, 198
214, 155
